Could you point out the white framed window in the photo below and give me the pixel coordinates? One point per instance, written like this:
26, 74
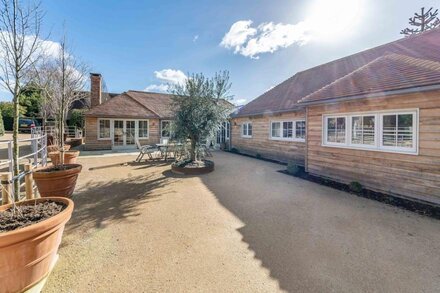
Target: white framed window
165, 128
143, 129
294, 130
246, 129
104, 129
392, 131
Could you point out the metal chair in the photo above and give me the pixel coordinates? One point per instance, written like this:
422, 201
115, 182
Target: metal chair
148, 150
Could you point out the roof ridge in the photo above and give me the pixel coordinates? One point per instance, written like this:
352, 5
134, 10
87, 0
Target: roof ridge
344, 77
133, 98
145, 92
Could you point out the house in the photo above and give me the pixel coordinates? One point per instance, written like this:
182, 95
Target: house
118, 122
372, 117
131, 116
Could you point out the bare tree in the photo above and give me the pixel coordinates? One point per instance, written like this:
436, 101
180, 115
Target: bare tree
20, 46
64, 82
423, 22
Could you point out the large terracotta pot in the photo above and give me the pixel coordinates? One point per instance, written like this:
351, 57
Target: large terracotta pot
52, 182
27, 254
55, 148
69, 157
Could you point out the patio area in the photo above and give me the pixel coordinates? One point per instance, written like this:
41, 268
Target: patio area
243, 228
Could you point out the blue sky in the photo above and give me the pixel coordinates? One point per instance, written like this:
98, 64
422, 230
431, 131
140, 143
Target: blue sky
131, 43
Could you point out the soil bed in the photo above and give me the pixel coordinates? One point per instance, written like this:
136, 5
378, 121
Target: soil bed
192, 167
57, 168
420, 207
25, 215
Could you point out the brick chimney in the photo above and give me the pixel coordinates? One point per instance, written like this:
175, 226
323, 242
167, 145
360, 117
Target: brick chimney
95, 89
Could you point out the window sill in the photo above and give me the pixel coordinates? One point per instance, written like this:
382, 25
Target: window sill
287, 139
246, 136
108, 138
374, 149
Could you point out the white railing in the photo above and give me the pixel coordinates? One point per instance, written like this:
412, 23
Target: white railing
36, 157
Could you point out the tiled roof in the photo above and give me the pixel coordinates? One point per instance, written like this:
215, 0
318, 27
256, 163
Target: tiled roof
158, 103
128, 105
285, 96
386, 73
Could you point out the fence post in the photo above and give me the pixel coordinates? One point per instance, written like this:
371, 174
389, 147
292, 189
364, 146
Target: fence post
34, 150
29, 181
6, 187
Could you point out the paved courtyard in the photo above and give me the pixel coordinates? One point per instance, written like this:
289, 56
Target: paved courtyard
242, 228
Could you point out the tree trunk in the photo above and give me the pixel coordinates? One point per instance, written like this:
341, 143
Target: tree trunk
15, 149
193, 150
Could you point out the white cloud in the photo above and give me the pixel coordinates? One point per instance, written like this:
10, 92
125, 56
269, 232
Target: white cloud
170, 75
268, 37
166, 77
157, 88
239, 102
196, 37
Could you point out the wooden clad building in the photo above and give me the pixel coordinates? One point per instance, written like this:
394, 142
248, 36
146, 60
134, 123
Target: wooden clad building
372, 117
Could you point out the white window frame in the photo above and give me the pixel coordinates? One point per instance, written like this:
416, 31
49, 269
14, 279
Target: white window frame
293, 138
378, 131
99, 129
247, 129
137, 129
161, 127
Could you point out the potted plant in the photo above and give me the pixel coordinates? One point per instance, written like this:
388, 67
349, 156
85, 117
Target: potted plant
200, 106
30, 234
63, 82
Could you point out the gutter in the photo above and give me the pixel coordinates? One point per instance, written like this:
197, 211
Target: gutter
297, 108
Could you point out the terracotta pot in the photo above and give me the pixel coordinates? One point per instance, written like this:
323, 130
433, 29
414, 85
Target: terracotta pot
27, 254
57, 183
54, 148
69, 157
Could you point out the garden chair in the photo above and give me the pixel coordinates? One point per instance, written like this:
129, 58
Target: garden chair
148, 150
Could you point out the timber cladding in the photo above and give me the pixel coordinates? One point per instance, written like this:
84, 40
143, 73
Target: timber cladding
261, 143
416, 176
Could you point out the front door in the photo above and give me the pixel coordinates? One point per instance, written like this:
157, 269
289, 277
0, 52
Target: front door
124, 133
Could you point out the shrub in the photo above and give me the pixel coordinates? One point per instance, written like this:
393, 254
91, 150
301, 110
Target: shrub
355, 187
235, 150
2, 127
77, 118
258, 156
293, 168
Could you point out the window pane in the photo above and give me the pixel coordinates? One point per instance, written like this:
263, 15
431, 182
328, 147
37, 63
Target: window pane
340, 130
287, 129
104, 128
276, 129
389, 130
250, 129
405, 131
363, 130
331, 129
300, 131
244, 129
143, 129
165, 128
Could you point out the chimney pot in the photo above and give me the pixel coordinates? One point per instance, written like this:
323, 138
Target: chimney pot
95, 89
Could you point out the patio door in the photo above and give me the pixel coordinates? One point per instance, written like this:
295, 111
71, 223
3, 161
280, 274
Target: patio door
124, 134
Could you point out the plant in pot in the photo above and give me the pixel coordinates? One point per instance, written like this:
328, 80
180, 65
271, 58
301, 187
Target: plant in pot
31, 230
63, 80
200, 107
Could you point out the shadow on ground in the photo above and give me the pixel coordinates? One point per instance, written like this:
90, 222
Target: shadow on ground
98, 204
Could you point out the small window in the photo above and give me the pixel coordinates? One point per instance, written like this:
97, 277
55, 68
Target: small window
246, 129
143, 129
300, 129
336, 129
276, 129
104, 129
398, 131
165, 128
287, 129
363, 130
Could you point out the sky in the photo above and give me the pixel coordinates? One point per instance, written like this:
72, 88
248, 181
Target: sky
146, 45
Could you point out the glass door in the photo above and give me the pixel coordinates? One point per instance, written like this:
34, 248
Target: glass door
130, 132
118, 136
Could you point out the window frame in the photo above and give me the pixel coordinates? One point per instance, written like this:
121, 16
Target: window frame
99, 129
293, 138
161, 128
378, 131
247, 123
138, 127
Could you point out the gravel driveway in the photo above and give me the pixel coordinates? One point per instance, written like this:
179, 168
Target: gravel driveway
242, 228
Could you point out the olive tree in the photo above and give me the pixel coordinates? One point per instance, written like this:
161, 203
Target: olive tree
200, 107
